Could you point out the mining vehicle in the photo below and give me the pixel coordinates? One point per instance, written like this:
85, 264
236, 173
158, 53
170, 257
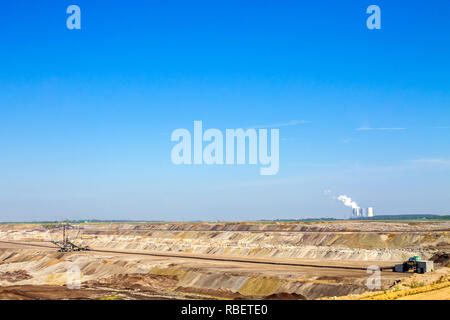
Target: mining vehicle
416, 264
66, 245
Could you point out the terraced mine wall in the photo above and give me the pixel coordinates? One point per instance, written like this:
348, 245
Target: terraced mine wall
177, 278
333, 241
362, 241
161, 279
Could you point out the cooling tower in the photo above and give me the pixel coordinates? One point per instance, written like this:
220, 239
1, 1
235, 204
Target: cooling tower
357, 212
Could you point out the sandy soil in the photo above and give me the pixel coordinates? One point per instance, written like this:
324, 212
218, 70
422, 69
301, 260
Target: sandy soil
441, 294
198, 261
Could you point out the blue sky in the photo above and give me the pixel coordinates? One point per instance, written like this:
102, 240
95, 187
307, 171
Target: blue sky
86, 115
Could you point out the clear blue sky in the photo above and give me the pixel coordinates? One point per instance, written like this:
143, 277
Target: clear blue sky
86, 115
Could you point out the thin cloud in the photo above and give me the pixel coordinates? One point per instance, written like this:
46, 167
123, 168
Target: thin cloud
380, 129
433, 161
389, 129
364, 129
345, 141
283, 124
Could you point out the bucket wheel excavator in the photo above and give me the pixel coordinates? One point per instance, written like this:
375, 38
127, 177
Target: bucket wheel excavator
66, 245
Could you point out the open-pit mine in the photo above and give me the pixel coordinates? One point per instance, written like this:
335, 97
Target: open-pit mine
251, 260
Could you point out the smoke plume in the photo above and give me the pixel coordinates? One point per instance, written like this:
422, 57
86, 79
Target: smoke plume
347, 201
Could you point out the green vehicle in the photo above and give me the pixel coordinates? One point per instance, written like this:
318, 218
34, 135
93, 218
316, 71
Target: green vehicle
415, 259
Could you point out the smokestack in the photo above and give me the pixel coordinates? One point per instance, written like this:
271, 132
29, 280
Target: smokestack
370, 212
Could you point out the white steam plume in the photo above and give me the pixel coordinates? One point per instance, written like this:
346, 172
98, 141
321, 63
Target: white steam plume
347, 201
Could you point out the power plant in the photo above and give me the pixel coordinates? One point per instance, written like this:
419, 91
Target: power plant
358, 212
361, 213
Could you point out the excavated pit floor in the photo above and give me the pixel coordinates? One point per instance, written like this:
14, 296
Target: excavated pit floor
334, 260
